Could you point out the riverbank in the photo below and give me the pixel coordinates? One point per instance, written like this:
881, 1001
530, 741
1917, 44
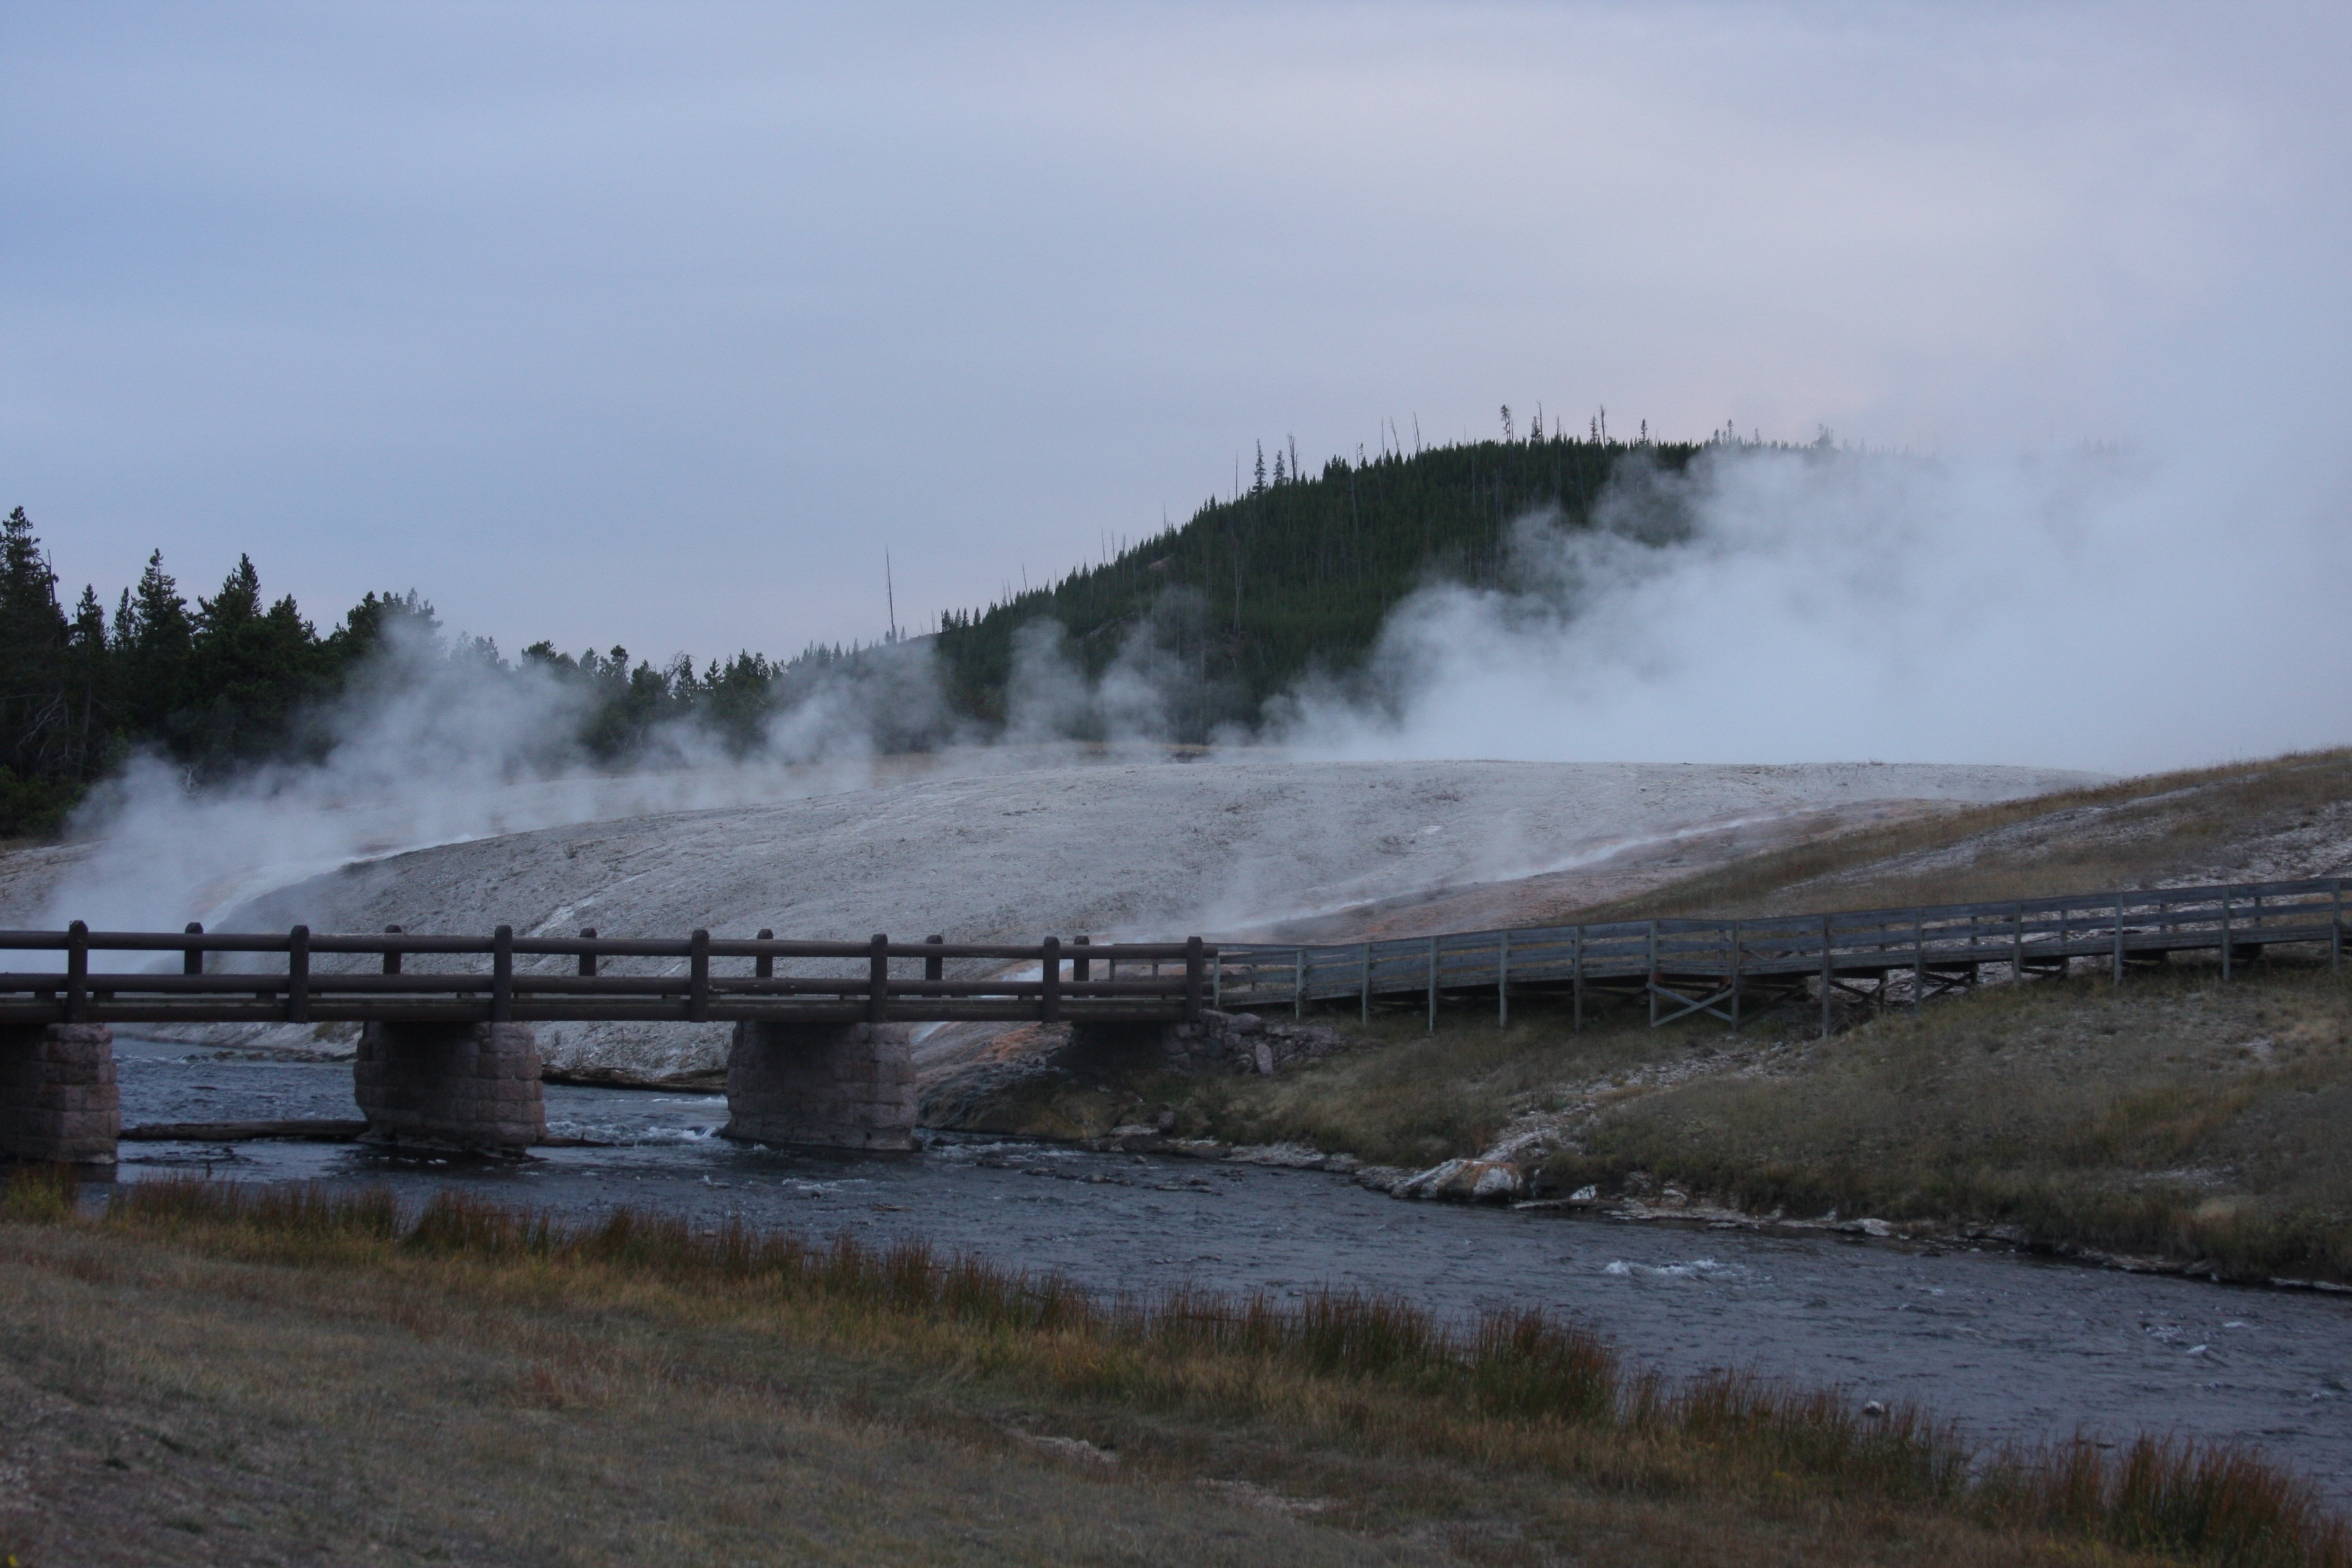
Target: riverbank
2176, 1122
207, 1374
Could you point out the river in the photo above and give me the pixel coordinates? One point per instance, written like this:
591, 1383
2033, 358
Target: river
2012, 1346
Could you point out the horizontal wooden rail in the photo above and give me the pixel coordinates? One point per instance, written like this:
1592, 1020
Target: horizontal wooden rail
1715, 965
1725, 969
301, 976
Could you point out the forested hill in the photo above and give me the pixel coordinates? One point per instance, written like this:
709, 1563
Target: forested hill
1222, 612
1296, 573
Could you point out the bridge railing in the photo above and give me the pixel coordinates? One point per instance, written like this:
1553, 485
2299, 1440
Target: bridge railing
302, 977
1712, 964
1679, 965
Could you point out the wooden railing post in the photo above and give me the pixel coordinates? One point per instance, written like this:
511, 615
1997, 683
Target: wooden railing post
2119, 939
2335, 930
764, 966
1734, 977
1081, 969
1192, 967
1918, 957
298, 975
1503, 980
77, 971
1828, 977
1298, 983
878, 979
2225, 933
587, 959
1049, 1000
1651, 985
2017, 944
392, 954
502, 976
936, 968
1433, 986
191, 960
1576, 984
698, 975
1365, 953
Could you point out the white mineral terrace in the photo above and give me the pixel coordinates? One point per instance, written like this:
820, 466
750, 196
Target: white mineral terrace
1223, 845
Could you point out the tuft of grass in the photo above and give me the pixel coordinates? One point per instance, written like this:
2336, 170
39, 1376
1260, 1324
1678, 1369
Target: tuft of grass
2219, 1502
38, 1195
1340, 1372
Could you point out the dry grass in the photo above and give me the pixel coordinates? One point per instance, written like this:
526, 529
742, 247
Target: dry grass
2174, 1116
209, 1374
1425, 1097
2211, 821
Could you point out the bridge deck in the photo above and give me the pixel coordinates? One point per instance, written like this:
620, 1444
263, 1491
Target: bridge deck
301, 976
1681, 965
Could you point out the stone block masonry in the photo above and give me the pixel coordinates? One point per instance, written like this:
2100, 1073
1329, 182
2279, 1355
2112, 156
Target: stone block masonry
833, 1086
58, 1099
468, 1086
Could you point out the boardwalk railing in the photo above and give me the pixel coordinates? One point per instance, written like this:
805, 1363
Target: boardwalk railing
1732, 969
1725, 969
301, 976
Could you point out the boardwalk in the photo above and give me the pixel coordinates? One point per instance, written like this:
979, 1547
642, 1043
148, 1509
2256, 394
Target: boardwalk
821, 1052
1733, 970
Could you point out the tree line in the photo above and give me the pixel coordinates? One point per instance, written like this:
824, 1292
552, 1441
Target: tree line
237, 679
1298, 573
1295, 574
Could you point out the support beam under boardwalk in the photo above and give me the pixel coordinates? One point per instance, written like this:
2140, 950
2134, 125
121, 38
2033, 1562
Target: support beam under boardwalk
833, 1086
469, 1086
59, 1103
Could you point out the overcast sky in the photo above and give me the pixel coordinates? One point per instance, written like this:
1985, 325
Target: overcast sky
659, 324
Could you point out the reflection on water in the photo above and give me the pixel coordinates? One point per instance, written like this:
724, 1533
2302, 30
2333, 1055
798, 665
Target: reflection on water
2009, 1345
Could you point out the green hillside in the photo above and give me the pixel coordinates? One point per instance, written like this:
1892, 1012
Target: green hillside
1297, 573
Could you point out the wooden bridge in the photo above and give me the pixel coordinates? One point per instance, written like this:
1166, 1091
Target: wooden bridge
821, 1052
446, 1053
1736, 970
302, 977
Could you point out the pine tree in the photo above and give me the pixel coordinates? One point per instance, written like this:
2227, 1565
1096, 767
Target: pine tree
153, 635
34, 721
250, 669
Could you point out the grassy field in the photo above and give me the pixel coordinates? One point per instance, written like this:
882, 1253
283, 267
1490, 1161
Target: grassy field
2174, 1117
207, 1374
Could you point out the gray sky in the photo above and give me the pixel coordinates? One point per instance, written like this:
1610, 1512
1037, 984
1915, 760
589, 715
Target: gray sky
658, 323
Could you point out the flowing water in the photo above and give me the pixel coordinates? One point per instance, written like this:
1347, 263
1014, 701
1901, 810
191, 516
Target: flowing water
2013, 1347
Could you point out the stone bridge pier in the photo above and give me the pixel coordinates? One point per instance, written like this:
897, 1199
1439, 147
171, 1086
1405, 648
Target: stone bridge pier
469, 1086
57, 1100
835, 1085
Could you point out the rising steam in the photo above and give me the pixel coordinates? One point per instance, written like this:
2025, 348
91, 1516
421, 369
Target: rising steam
2090, 609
